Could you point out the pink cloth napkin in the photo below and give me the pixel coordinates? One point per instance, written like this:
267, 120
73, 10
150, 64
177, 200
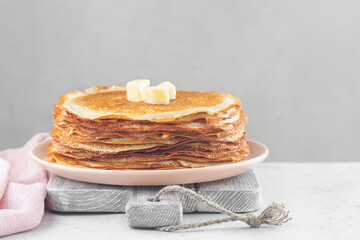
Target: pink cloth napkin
22, 189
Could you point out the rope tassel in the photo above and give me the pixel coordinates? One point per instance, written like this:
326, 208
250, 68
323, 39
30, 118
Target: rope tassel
274, 214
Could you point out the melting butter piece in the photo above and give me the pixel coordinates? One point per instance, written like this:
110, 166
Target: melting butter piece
171, 88
157, 95
135, 90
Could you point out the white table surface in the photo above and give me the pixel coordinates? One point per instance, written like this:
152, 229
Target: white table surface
324, 199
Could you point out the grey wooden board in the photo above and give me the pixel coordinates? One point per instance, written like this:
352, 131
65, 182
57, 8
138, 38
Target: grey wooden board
239, 194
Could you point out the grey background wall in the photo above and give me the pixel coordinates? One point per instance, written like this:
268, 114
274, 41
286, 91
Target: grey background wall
294, 64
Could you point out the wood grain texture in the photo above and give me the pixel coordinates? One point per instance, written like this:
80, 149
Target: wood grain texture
65, 195
241, 193
141, 212
189, 205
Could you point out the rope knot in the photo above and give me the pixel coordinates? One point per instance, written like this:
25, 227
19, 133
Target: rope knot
252, 220
275, 214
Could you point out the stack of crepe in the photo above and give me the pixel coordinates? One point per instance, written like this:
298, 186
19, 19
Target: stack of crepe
99, 128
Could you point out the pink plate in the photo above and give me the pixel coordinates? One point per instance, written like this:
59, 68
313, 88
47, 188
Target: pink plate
258, 152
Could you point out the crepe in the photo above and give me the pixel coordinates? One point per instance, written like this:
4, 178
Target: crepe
99, 128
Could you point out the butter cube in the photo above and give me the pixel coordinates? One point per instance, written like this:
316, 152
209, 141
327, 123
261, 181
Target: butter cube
157, 95
135, 90
171, 88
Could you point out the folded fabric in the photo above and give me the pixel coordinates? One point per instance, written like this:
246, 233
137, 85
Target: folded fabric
22, 189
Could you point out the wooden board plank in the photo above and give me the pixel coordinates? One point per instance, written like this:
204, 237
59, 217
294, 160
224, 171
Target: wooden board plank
65, 195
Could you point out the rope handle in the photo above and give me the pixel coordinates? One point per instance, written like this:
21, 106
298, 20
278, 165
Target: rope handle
274, 214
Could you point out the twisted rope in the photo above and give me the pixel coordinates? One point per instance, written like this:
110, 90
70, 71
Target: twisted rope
274, 214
